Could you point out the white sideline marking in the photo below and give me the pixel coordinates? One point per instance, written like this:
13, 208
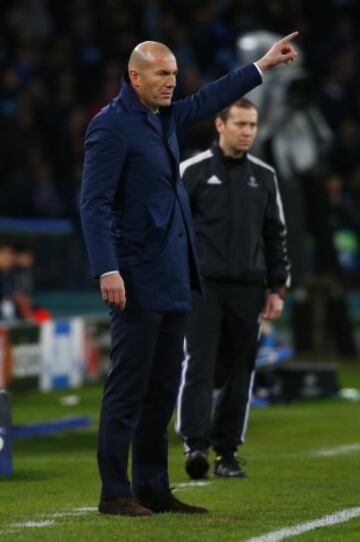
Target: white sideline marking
31, 524
338, 450
66, 514
48, 522
326, 521
76, 512
191, 484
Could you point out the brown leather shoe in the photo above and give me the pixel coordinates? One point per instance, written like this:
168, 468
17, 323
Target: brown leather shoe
167, 502
123, 506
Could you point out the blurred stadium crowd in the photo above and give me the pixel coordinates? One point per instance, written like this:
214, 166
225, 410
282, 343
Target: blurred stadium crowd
16, 285
61, 61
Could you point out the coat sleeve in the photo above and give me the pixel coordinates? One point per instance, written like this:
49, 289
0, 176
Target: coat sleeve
278, 265
217, 95
104, 159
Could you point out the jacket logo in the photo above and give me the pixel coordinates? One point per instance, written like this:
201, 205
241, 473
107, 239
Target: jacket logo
253, 182
213, 180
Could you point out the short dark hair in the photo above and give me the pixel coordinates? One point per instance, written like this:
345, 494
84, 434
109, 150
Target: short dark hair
243, 103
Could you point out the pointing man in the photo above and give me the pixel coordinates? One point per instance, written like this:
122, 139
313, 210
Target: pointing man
138, 230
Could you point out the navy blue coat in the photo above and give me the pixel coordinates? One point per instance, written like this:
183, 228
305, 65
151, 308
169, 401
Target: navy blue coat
134, 207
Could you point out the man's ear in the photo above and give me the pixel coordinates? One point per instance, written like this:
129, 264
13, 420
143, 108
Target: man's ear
219, 125
134, 77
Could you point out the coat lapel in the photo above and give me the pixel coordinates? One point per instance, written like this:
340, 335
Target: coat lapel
170, 138
154, 121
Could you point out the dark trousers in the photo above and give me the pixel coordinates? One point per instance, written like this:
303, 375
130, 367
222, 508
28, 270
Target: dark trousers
222, 329
139, 398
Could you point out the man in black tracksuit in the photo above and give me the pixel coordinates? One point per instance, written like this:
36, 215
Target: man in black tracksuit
241, 243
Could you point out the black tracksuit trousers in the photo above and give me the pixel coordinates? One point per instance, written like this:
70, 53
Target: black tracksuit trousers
220, 350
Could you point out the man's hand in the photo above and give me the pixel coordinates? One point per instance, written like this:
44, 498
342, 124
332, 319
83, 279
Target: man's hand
280, 53
113, 290
273, 307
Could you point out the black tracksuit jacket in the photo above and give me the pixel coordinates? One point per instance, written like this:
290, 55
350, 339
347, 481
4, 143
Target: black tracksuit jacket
238, 219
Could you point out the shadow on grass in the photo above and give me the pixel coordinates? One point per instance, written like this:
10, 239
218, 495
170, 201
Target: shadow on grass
58, 443
26, 476
68, 441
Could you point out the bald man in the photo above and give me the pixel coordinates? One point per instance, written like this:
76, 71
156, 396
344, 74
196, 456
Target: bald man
139, 234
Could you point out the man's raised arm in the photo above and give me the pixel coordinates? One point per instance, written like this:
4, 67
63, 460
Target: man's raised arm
217, 95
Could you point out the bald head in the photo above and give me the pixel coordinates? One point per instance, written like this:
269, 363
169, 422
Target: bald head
148, 53
152, 72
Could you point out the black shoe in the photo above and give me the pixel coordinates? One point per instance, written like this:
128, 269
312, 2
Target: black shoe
196, 464
123, 506
167, 502
229, 466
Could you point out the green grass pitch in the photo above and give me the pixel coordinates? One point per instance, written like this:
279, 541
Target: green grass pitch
289, 484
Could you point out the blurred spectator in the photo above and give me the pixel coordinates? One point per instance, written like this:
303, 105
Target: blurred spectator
7, 307
347, 156
301, 150
17, 284
45, 199
336, 89
23, 281
345, 223
32, 15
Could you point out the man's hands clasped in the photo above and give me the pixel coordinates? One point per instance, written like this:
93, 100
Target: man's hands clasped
113, 290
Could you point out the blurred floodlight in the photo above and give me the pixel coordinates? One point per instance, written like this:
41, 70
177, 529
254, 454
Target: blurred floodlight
248, 43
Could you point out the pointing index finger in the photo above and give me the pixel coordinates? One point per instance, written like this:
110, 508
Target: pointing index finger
289, 37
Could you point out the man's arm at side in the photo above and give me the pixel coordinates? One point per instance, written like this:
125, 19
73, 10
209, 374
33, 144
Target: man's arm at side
277, 262
104, 157
276, 255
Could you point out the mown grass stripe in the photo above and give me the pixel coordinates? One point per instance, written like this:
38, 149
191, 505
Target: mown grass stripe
326, 521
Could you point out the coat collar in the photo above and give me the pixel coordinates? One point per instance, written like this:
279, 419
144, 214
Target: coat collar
227, 160
129, 98
132, 103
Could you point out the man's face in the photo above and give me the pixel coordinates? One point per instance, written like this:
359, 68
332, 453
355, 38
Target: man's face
238, 132
155, 82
